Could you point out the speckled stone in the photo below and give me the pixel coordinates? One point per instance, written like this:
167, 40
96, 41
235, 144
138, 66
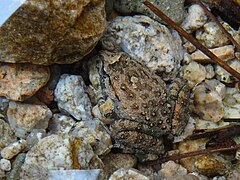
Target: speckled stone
19, 81
60, 124
52, 152
59, 152
72, 98
174, 8
115, 161
171, 169
223, 75
147, 41
128, 173
195, 73
195, 18
94, 133
211, 36
13, 149
47, 32
208, 103
6, 134
5, 165
16, 167
24, 117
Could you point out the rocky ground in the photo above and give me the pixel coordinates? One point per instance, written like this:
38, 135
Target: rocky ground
117, 92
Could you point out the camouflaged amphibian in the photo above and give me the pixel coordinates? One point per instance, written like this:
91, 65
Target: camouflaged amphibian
140, 108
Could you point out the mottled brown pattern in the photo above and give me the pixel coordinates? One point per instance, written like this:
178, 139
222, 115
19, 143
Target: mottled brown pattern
145, 108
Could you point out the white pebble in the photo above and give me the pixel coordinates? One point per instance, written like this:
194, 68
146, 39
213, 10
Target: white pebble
5, 164
195, 19
13, 149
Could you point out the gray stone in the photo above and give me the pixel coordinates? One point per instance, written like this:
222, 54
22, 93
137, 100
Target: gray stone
16, 167
24, 117
174, 8
6, 134
72, 98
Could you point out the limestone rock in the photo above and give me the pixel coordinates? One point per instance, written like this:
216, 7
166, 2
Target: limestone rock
52, 152
34, 137
171, 169
232, 104
225, 53
6, 134
115, 161
195, 73
19, 81
24, 117
72, 98
75, 174
5, 164
59, 152
210, 71
173, 8
211, 36
195, 18
94, 133
16, 167
147, 41
223, 75
208, 103
50, 32
13, 149
128, 173
60, 123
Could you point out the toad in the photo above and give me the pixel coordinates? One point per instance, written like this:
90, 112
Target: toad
140, 108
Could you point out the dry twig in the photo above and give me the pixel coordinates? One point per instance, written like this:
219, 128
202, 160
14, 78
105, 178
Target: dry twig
191, 154
219, 24
190, 38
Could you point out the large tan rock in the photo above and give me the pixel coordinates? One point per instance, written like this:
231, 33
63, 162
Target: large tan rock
19, 81
47, 32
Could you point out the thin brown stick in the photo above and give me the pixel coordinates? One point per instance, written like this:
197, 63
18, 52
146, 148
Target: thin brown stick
190, 38
191, 154
229, 36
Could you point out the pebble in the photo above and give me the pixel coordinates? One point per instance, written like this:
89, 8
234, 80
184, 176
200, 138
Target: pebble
24, 117
65, 32
173, 9
13, 149
225, 53
128, 173
208, 103
59, 152
195, 18
16, 167
34, 137
195, 73
147, 41
210, 71
6, 134
172, 169
211, 36
60, 124
5, 164
223, 75
115, 161
2, 174
52, 152
211, 166
71, 97
95, 134
231, 104
20, 81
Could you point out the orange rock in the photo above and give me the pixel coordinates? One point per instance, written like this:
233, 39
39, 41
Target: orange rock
224, 52
19, 81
